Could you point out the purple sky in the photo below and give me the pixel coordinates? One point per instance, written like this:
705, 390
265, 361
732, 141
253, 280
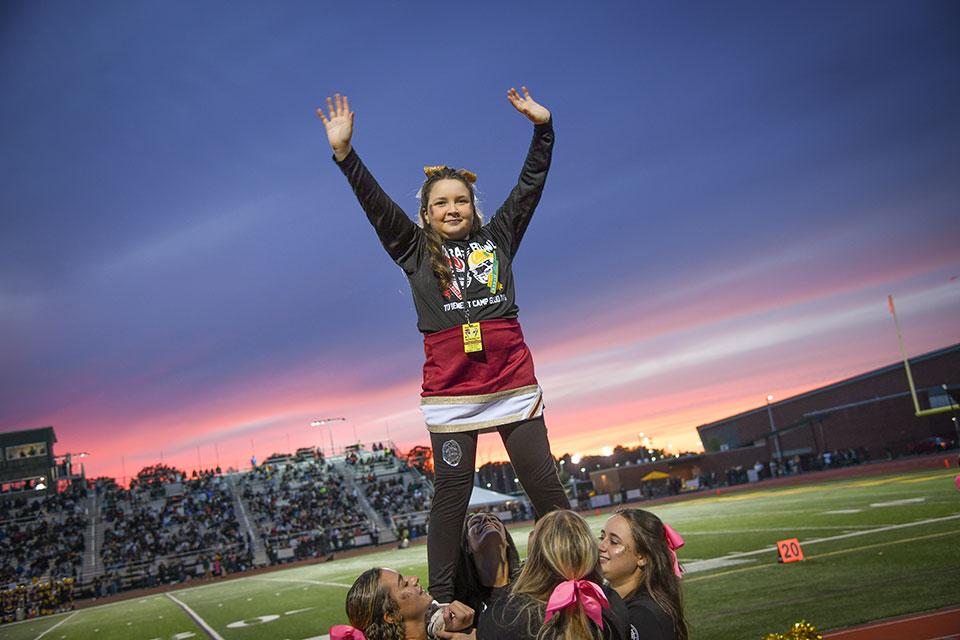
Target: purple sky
736, 188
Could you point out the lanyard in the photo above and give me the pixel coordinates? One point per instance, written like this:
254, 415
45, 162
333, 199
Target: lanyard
461, 282
472, 338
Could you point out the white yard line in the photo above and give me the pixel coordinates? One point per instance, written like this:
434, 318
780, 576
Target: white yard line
887, 528
200, 621
325, 584
57, 625
774, 530
897, 503
704, 565
212, 584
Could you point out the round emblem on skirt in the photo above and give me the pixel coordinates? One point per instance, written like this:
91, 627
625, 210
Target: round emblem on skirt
452, 453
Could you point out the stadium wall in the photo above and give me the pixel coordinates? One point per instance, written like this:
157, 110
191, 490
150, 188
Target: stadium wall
872, 413
873, 410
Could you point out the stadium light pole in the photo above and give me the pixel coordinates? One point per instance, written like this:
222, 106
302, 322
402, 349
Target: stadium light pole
328, 421
773, 429
956, 428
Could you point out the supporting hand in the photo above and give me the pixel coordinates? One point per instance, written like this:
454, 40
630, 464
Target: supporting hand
457, 616
339, 125
528, 106
456, 635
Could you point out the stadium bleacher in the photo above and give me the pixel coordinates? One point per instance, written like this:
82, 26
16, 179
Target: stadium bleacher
167, 528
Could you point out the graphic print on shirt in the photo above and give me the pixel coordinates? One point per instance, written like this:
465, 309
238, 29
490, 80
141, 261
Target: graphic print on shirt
474, 263
481, 265
456, 265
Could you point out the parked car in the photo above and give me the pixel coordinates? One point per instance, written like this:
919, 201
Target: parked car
934, 444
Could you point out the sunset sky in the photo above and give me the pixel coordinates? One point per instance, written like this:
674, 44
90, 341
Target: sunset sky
736, 188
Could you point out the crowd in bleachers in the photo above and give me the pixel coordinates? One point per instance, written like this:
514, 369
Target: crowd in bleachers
303, 510
41, 537
403, 504
172, 570
152, 538
392, 496
36, 599
200, 520
381, 457
168, 527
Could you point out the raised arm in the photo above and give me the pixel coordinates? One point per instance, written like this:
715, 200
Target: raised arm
511, 219
339, 125
398, 234
536, 113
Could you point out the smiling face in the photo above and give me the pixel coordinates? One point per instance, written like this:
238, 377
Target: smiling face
619, 561
450, 209
411, 599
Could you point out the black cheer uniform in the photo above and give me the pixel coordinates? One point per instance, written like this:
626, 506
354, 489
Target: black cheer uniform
503, 619
648, 620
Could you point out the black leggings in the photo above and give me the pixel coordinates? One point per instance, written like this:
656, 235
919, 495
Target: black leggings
454, 457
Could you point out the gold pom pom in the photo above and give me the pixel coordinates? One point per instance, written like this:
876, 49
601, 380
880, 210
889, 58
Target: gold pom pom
802, 630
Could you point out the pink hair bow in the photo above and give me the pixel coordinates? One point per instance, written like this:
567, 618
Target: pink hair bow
674, 541
586, 592
346, 632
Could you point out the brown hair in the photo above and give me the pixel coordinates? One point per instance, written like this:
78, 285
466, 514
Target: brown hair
562, 548
369, 605
657, 577
439, 263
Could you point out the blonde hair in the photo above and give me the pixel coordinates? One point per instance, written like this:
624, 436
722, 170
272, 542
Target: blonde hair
562, 548
369, 606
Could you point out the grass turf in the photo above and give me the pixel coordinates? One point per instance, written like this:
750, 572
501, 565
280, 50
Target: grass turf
875, 547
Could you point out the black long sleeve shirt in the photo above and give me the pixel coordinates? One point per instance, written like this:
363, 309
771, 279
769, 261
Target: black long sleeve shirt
471, 259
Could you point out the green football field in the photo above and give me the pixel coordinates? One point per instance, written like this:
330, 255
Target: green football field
874, 547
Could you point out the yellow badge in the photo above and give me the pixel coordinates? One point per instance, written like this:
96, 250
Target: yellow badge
471, 337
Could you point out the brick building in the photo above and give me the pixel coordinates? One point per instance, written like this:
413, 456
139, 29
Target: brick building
871, 412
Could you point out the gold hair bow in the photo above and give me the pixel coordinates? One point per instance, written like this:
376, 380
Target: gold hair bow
469, 175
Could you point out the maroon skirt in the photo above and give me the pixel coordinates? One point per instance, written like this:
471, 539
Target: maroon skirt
481, 390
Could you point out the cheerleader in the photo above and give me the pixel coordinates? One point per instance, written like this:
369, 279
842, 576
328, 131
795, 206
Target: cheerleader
478, 376
638, 557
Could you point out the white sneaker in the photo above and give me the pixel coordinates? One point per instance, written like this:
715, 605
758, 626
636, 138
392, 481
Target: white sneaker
434, 619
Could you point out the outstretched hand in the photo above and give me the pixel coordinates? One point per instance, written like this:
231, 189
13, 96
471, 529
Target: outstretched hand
529, 107
339, 125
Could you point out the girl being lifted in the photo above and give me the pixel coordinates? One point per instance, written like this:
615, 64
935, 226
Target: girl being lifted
478, 375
